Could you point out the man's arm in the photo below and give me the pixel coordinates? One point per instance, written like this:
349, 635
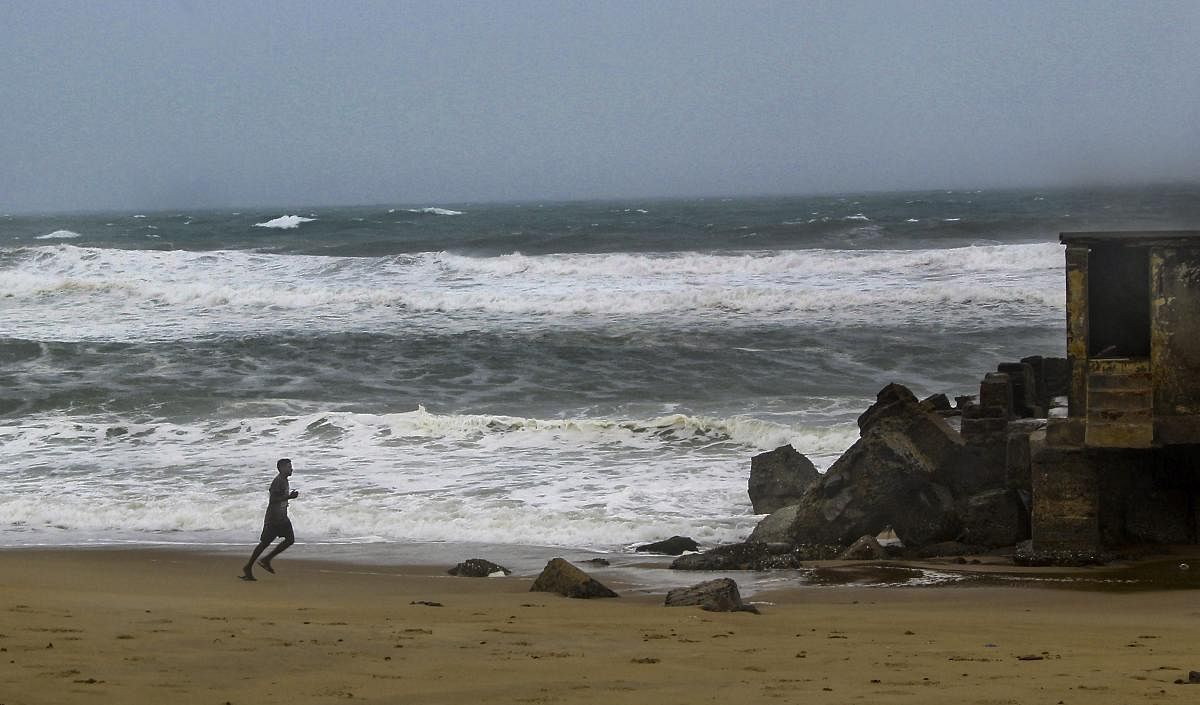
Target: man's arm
279, 490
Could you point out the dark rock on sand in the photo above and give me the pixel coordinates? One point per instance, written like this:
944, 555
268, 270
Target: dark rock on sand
478, 568
866, 548
719, 595
756, 556
778, 478
673, 546
565, 579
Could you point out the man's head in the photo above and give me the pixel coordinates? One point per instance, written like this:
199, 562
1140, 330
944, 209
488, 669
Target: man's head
284, 466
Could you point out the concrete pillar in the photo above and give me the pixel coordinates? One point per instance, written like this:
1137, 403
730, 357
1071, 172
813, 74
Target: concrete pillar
1066, 499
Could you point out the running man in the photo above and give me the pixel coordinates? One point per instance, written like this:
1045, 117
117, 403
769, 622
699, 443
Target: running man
276, 524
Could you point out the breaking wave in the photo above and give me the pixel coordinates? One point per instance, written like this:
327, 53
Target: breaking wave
285, 222
59, 235
433, 211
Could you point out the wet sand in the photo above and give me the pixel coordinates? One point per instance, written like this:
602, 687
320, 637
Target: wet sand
155, 626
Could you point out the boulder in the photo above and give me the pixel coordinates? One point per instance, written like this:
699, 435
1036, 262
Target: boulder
892, 476
719, 595
779, 478
896, 410
939, 403
565, 579
995, 518
478, 568
866, 548
673, 546
776, 527
754, 555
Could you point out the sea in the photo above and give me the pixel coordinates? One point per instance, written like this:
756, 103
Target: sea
520, 378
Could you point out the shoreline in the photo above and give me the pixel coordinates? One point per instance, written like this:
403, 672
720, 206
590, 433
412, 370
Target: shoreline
1151, 568
145, 625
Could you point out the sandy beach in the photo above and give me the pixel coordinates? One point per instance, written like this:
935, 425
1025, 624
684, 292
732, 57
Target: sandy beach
153, 626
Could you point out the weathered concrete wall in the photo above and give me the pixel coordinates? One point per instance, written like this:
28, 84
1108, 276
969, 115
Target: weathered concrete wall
1066, 499
1086, 499
1077, 333
1175, 343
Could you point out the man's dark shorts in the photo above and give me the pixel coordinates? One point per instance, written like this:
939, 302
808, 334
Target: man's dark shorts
277, 528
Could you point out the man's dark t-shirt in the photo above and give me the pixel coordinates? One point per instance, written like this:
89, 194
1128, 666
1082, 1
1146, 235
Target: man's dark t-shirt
276, 523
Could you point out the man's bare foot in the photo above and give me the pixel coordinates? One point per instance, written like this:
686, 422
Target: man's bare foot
247, 575
266, 565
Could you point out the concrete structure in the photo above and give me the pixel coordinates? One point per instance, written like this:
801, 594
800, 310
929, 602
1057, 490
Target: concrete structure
1123, 465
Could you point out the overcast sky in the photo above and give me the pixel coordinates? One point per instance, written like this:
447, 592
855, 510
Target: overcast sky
190, 104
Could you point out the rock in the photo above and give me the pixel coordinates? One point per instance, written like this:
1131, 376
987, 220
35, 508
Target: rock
565, 579
995, 518
776, 527
890, 401
936, 402
866, 548
719, 595
673, 546
598, 561
754, 555
779, 478
1193, 677
478, 568
888, 537
983, 463
897, 411
889, 477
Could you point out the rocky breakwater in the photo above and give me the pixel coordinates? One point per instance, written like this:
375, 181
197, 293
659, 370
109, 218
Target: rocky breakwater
941, 491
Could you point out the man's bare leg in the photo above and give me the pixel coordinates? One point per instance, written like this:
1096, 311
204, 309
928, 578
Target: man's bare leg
266, 562
248, 569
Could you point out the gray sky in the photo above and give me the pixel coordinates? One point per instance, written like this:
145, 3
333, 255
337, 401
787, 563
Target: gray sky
189, 104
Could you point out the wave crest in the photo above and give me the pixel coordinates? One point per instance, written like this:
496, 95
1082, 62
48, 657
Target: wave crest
285, 222
59, 235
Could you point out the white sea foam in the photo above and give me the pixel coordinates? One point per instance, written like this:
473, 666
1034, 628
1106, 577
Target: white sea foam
120, 294
59, 235
434, 211
591, 482
285, 222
